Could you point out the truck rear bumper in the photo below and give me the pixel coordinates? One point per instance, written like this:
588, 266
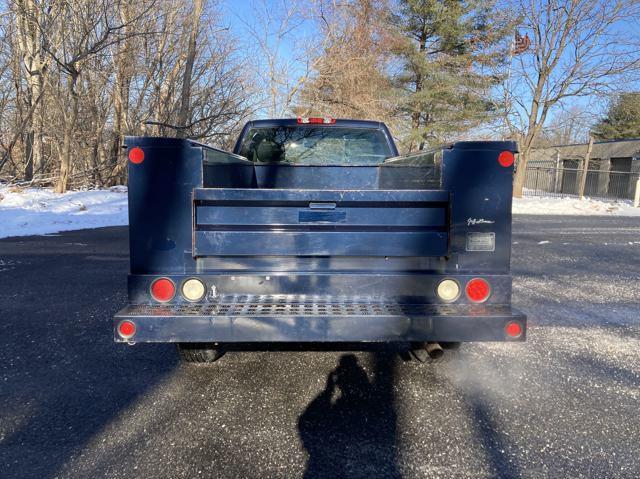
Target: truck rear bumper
319, 322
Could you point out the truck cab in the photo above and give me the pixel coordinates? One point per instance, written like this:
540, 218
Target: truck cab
316, 230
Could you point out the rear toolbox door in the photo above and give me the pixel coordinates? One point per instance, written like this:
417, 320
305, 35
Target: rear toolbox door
281, 222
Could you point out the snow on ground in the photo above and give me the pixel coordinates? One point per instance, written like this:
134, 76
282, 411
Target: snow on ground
39, 211
573, 206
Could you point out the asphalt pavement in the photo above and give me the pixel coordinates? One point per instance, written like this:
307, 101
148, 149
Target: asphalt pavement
564, 404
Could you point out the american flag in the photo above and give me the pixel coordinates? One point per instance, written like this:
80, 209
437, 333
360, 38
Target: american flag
521, 44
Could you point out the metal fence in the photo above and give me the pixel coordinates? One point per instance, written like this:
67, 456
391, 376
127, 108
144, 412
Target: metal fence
565, 182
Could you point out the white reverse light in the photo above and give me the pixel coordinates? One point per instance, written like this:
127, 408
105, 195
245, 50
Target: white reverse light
448, 290
193, 289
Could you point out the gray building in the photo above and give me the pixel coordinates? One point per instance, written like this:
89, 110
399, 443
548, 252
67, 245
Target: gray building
613, 169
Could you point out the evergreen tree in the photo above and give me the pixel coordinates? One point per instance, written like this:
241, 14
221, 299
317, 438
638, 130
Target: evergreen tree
622, 119
448, 51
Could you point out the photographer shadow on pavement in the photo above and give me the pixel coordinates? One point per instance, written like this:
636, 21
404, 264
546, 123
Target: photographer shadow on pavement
349, 429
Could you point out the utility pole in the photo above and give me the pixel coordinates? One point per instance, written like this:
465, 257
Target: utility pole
585, 168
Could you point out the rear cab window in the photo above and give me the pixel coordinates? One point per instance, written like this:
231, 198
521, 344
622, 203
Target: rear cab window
315, 145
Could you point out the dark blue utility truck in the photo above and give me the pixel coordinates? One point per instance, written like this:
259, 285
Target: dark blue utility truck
316, 230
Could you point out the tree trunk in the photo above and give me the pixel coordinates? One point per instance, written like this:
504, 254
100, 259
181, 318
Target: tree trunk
37, 154
65, 160
68, 129
96, 152
118, 121
585, 169
185, 97
29, 41
28, 156
33, 153
124, 61
521, 171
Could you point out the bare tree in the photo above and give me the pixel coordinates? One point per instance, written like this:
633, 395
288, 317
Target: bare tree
356, 47
194, 84
123, 62
579, 48
280, 53
29, 16
570, 125
77, 76
72, 35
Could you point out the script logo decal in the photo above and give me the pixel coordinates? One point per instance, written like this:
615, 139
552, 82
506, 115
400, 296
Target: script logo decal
479, 221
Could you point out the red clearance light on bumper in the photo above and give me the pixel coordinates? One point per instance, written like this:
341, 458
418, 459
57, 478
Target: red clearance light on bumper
325, 121
513, 329
136, 155
478, 290
163, 290
506, 159
126, 329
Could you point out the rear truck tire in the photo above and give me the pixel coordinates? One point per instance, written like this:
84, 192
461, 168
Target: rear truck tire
200, 352
434, 353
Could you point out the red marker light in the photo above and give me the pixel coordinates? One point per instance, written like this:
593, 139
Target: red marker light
513, 329
136, 155
478, 290
506, 159
126, 329
163, 290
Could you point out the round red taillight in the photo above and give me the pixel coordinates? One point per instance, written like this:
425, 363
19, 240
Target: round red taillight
163, 290
513, 329
506, 159
136, 155
126, 329
478, 290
